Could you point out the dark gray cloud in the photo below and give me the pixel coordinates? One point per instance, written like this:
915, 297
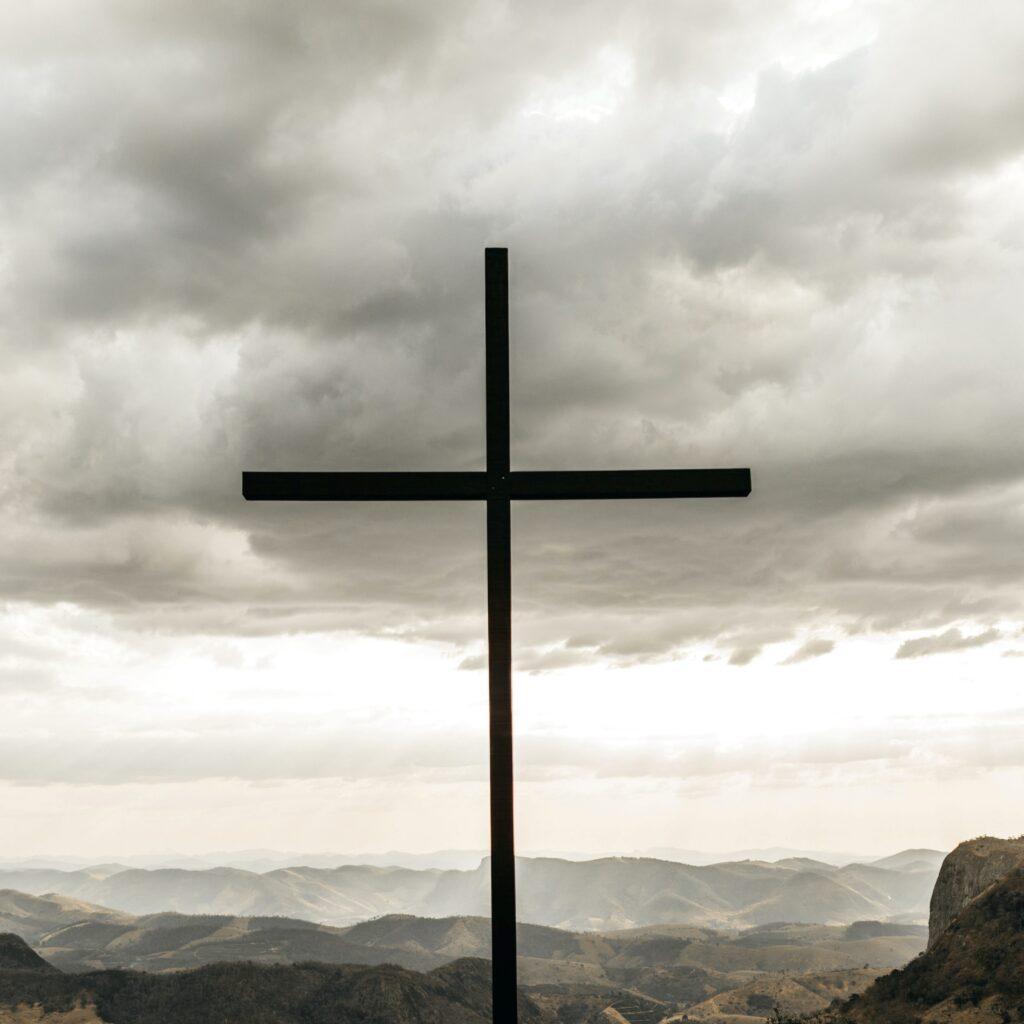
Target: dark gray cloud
238, 237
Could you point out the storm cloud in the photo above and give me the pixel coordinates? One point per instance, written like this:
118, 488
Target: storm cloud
241, 237
245, 236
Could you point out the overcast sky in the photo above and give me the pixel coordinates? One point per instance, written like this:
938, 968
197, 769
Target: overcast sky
247, 235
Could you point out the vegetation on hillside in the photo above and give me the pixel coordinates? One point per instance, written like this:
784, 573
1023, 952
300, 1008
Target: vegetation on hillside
244, 993
973, 972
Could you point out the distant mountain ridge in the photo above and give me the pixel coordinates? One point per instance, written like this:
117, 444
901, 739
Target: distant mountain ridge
595, 895
261, 861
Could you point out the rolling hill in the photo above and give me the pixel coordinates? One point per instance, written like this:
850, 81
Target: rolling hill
245, 993
674, 966
912, 860
597, 895
790, 995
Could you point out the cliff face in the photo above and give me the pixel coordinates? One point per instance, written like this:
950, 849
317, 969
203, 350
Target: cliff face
967, 872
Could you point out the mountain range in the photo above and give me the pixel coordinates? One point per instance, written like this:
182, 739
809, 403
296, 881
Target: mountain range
672, 963
596, 895
647, 973
971, 973
261, 860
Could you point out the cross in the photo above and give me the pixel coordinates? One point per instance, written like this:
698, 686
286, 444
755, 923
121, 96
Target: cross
498, 486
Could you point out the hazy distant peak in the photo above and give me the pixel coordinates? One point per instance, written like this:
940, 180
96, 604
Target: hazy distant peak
915, 859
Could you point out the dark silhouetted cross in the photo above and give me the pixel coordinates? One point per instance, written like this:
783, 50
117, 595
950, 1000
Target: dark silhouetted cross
499, 485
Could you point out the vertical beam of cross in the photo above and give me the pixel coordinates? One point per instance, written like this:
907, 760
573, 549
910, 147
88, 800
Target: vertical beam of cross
498, 486
499, 639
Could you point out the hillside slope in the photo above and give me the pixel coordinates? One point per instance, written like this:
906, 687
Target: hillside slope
789, 995
17, 955
973, 973
32, 917
458, 993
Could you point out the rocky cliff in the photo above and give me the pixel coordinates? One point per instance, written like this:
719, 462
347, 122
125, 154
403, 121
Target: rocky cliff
972, 974
966, 873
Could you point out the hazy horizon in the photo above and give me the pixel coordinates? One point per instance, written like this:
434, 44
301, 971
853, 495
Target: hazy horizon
285, 852
462, 859
785, 236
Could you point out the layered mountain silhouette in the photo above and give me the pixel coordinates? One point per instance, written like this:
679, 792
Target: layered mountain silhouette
603, 894
262, 860
117, 965
644, 975
672, 966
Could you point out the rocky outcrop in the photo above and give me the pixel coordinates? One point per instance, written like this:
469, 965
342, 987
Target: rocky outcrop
972, 974
966, 873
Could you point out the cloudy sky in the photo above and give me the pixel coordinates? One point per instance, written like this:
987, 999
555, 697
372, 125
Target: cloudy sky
241, 235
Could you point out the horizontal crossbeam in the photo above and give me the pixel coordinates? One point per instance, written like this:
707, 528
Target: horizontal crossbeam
631, 483
364, 486
526, 486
